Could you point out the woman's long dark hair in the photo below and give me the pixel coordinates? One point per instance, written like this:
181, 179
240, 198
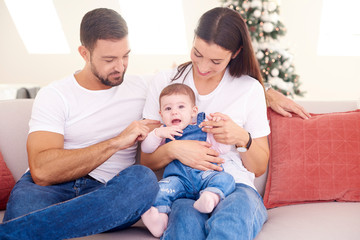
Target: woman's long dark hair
226, 28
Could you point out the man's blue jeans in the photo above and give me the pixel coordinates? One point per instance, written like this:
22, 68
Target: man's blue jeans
240, 215
78, 208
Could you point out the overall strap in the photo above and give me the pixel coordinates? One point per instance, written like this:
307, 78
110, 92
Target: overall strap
200, 118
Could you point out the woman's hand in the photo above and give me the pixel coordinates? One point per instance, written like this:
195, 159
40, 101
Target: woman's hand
283, 105
225, 131
196, 154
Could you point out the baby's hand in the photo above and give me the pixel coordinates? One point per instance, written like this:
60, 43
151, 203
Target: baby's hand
212, 118
168, 132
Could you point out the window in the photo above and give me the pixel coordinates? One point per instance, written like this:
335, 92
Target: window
339, 28
156, 26
38, 26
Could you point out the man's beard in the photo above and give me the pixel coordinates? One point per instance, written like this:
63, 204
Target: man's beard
106, 81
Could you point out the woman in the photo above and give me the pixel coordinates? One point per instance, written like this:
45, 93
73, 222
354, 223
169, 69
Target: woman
226, 79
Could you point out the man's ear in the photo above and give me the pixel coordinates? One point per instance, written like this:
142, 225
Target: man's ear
85, 53
237, 52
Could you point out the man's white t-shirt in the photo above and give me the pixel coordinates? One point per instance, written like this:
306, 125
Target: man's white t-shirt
242, 99
86, 117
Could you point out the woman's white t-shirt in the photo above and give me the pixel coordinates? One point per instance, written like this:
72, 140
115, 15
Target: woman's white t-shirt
241, 98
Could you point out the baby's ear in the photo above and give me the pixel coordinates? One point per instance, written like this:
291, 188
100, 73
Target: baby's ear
195, 111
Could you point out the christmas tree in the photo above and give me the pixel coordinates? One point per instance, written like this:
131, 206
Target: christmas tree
262, 19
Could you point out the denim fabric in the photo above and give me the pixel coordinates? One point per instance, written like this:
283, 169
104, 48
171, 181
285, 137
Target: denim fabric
181, 181
78, 208
240, 216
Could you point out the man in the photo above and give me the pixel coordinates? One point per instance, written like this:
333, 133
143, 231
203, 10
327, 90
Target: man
82, 144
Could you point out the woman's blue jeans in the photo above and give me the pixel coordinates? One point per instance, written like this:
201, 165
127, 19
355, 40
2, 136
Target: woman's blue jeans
181, 181
240, 215
78, 208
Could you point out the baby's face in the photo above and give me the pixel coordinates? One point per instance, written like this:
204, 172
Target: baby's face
177, 110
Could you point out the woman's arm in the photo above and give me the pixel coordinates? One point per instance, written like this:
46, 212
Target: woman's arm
256, 158
195, 154
227, 131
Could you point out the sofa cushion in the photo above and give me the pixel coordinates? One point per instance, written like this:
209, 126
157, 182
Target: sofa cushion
313, 160
7, 183
330, 220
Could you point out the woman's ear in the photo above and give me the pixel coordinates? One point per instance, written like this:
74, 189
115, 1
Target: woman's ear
237, 52
84, 52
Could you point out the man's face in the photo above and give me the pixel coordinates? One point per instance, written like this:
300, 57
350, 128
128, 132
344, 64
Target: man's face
109, 61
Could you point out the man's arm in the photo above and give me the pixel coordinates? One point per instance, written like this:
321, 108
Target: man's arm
50, 163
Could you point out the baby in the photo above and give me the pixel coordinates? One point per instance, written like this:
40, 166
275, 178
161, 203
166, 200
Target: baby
177, 109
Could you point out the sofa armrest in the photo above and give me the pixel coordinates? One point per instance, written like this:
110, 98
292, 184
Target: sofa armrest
14, 127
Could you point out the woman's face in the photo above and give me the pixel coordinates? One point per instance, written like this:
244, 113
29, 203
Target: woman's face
209, 60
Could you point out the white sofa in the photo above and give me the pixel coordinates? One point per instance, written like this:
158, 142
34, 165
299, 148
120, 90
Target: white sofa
330, 220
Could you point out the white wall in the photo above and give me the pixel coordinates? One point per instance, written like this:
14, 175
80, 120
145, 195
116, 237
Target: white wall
17, 66
322, 77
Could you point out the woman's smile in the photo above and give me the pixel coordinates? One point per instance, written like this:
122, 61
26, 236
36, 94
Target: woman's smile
201, 73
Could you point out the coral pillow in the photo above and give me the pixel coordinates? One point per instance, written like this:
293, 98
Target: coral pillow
313, 160
7, 182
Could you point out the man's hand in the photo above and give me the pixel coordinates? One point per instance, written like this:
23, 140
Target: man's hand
136, 131
283, 105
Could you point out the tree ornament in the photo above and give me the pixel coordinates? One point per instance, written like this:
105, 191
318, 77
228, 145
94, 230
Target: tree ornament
259, 55
268, 27
275, 71
271, 6
257, 13
246, 5
256, 4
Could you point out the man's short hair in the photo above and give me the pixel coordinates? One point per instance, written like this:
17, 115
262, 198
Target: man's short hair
101, 23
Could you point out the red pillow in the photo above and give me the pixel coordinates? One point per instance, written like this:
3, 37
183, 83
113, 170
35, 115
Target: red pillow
7, 183
313, 160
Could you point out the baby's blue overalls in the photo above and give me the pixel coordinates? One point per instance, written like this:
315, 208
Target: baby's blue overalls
181, 181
